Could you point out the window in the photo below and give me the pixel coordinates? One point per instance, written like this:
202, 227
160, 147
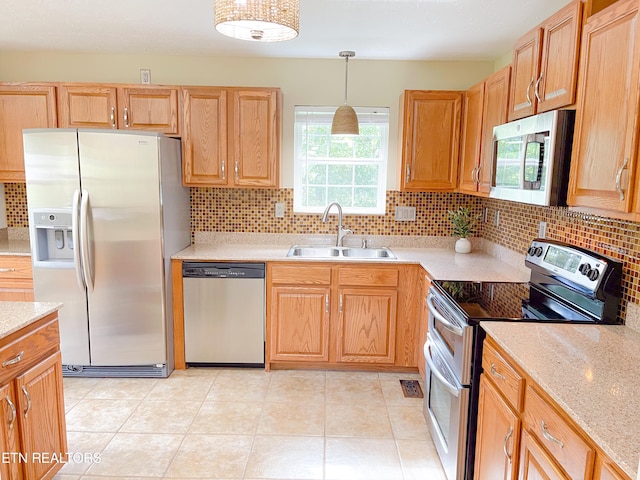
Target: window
350, 170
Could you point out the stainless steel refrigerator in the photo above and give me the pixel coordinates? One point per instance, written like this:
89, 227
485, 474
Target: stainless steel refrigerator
107, 209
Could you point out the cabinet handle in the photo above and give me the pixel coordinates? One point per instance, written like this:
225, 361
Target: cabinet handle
529, 88
113, 117
6, 270
408, 173
14, 360
235, 169
28, 397
496, 373
13, 411
126, 117
619, 178
341, 302
326, 302
224, 170
548, 436
506, 441
536, 91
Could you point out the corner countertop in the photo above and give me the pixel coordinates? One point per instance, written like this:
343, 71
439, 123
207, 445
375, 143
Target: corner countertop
17, 315
441, 263
591, 371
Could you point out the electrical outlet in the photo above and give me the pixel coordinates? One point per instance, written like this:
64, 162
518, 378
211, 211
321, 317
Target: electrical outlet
542, 230
485, 214
405, 214
496, 219
145, 76
279, 210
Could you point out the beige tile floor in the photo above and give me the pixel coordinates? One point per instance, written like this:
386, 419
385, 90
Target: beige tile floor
248, 424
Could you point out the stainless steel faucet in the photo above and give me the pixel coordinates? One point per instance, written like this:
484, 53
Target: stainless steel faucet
342, 232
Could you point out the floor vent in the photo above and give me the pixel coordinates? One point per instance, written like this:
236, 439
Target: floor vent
141, 371
411, 388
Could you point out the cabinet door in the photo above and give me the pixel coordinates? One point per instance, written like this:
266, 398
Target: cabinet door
255, 141
605, 470
536, 463
556, 83
430, 143
299, 324
10, 463
367, 325
526, 64
41, 416
204, 136
16, 278
605, 138
496, 108
87, 106
497, 438
154, 109
22, 106
471, 138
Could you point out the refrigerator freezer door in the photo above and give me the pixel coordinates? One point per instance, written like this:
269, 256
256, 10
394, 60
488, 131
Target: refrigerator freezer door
120, 172
51, 167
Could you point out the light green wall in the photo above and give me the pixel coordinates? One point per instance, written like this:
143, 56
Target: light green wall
503, 61
303, 81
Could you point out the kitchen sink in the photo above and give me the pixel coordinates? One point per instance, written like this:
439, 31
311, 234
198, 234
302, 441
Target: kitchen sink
323, 251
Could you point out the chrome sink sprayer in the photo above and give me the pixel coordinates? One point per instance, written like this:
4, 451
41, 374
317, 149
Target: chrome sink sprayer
341, 230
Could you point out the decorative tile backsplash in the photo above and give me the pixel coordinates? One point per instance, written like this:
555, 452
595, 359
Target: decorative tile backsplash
252, 211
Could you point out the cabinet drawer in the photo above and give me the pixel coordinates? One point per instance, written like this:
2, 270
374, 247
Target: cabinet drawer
301, 274
368, 276
509, 382
568, 448
26, 350
15, 267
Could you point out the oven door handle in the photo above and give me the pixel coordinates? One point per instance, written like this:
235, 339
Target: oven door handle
449, 387
446, 323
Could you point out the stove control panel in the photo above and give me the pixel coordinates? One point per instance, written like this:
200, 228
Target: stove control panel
572, 263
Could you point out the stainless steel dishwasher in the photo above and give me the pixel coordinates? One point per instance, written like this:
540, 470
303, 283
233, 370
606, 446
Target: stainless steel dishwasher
224, 313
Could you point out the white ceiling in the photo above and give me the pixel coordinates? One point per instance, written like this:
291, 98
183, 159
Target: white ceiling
375, 29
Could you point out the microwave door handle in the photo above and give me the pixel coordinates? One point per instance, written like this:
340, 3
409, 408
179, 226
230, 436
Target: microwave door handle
535, 184
445, 323
452, 389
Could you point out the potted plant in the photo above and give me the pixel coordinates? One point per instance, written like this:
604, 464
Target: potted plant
464, 223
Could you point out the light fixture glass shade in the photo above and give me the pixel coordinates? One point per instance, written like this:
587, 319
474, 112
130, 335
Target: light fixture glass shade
257, 20
345, 121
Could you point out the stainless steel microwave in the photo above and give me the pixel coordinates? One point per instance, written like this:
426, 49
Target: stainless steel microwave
531, 158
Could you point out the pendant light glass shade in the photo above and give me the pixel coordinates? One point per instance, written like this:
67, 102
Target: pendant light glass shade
345, 120
257, 20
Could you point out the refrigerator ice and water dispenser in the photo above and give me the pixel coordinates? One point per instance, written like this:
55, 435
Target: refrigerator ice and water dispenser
53, 238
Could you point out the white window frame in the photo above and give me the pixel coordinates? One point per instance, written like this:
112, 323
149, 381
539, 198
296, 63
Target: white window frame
324, 115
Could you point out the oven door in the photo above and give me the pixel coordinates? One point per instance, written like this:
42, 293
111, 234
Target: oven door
452, 333
446, 408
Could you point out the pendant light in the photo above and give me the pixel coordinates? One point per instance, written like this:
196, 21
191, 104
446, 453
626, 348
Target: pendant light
345, 120
257, 20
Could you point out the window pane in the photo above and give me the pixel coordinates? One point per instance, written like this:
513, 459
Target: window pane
340, 174
367, 147
316, 196
316, 174
365, 197
342, 195
341, 148
366, 175
317, 146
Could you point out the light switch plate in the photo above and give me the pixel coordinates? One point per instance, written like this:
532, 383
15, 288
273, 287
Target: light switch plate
145, 76
405, 214
542, 230
279, 210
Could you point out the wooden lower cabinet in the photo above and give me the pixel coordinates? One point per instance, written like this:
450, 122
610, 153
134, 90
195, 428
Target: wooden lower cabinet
341, 315
551, 445
32, 419
498, 435
16, 278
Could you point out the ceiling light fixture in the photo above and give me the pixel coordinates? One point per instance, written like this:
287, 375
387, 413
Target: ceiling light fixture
257, 20
345, 120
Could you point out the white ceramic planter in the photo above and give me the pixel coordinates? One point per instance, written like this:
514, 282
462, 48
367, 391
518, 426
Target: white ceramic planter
463, 245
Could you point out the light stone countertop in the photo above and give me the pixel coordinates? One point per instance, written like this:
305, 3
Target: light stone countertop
441, 263
591, 371
9, 246
17, 315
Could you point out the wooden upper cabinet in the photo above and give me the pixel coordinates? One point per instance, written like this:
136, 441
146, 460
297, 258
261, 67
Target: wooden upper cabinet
496, 108
204, 137
22, 106
430, 140
149, 108
604, 156
545, 64
231, 137
471, 138
255, 142
137, 107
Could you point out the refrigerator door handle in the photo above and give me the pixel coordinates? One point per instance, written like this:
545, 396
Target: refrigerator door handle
75, 232
84, 236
